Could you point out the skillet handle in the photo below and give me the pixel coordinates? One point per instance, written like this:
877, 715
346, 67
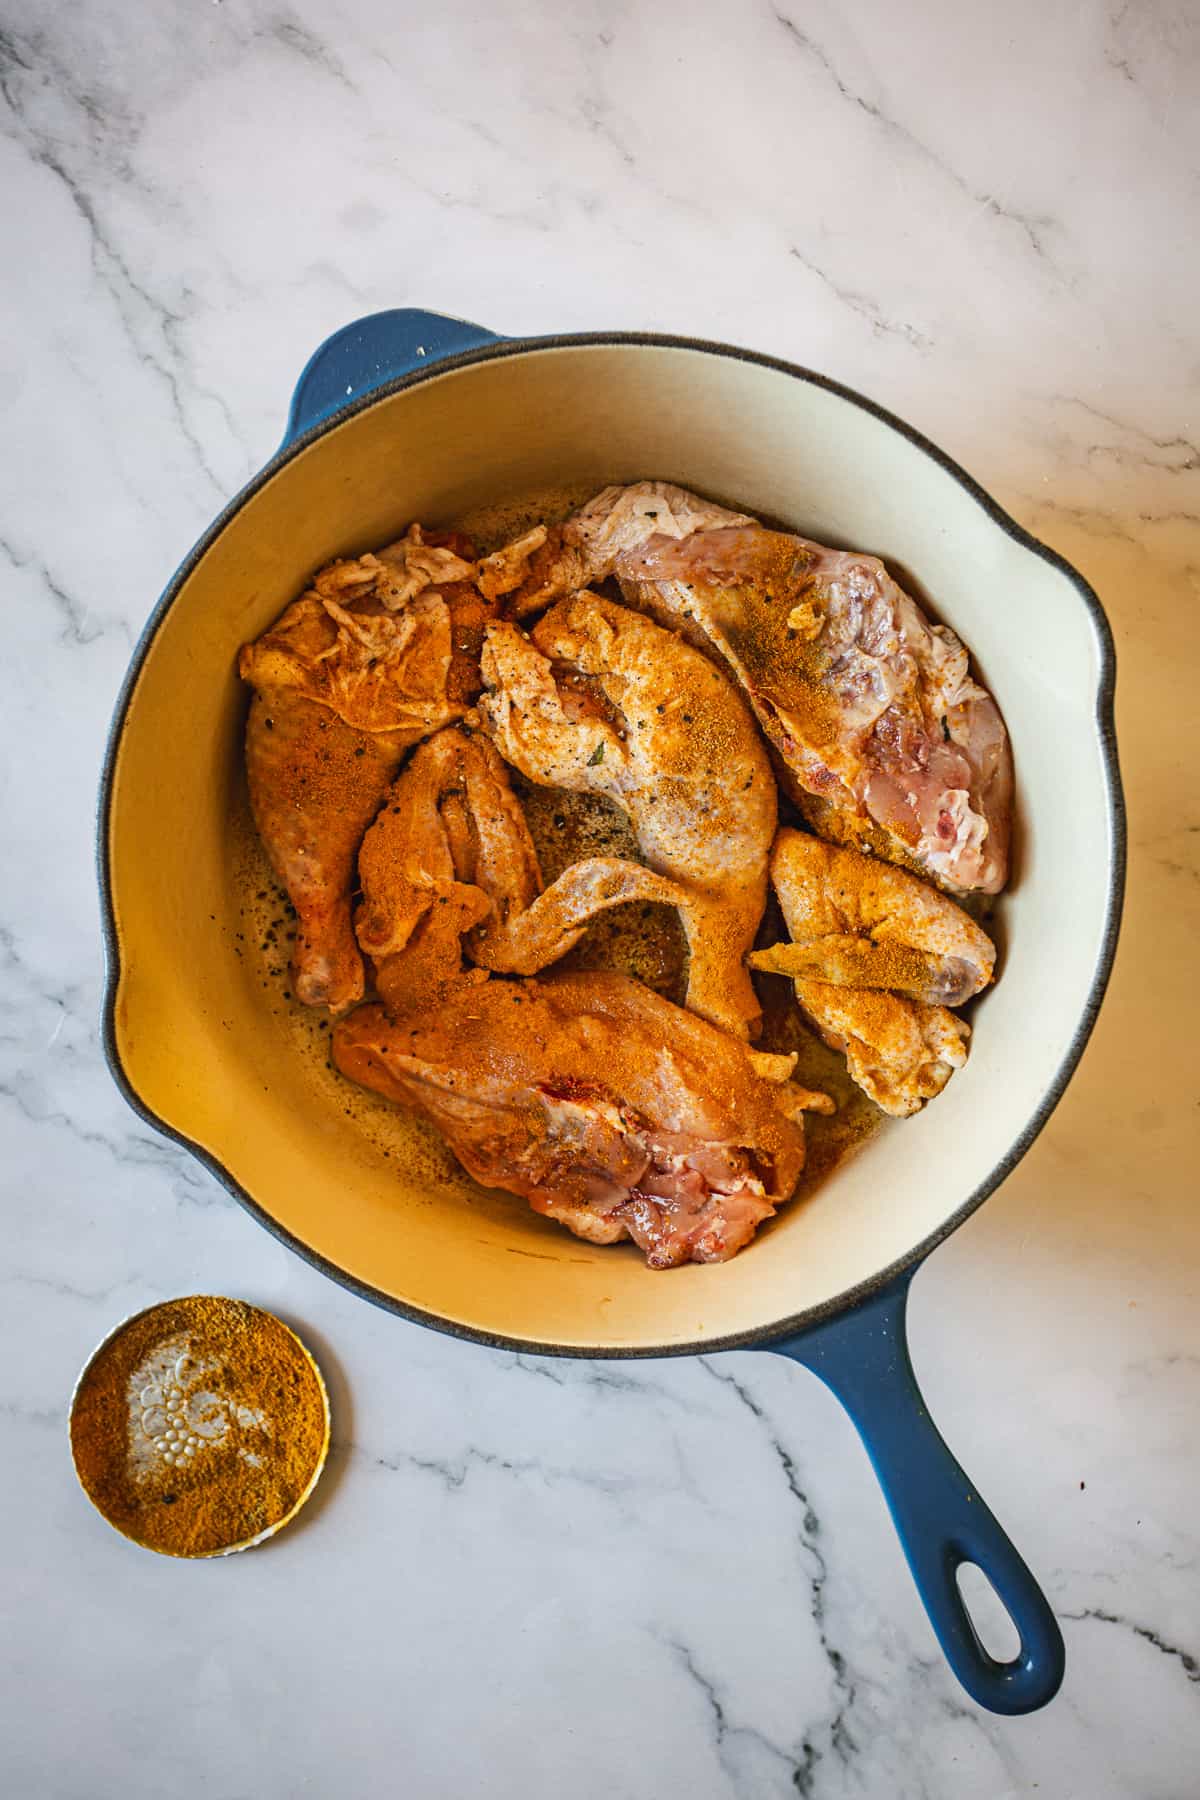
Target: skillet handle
862, 1356
365, 354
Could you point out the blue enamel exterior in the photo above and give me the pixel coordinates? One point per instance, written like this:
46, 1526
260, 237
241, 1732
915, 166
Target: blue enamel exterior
862, 1357
371, 351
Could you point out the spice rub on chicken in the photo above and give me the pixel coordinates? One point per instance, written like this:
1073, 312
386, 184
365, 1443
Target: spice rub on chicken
399, 697
609, 1109
450, 860
884, 738
377, 654
877, 958
599, 699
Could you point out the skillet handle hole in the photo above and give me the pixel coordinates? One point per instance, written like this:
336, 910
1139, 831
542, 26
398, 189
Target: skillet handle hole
988, 1613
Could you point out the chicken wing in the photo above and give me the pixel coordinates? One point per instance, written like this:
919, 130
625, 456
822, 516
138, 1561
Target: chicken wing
899, 1052
856, 922
876, 958
609, 1109
602, 700
369, 661
884, 738
450, 855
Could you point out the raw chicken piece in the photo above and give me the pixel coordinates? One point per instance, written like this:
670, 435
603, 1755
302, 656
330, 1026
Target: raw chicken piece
602, 700
551, 561
369, 661
885, 739
860, 923
876, 954
899, 1052
377, 641
611, 1110
315, 785
450, 854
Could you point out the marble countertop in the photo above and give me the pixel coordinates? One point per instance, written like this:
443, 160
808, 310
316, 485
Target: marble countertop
523, 1579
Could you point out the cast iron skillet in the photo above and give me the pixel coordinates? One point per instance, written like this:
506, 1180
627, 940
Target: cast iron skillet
857, 1347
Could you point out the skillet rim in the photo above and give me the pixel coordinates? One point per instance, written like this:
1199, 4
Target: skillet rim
1105, 734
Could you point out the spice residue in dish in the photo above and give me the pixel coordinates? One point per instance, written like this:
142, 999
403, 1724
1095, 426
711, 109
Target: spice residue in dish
199, 1427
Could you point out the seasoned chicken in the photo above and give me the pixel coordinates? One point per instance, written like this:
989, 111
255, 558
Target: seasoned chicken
450, 854
876, 957
611, 1110
366, 663
315, 785
860, 923
884, 738
602, 700
899, 1052
551, 561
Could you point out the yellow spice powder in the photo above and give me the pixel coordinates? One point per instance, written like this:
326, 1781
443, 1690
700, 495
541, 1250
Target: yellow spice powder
199, 1426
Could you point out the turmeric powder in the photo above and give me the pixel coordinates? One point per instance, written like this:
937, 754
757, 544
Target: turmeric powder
200, 1426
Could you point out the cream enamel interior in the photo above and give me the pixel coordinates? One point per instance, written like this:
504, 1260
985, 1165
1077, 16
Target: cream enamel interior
204, 1056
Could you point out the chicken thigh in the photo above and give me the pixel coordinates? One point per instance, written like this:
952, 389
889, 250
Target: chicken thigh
884, 738
876, 958
602, 700
609, 1109
366, 663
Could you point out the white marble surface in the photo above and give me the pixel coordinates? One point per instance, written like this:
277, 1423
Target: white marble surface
526, 1579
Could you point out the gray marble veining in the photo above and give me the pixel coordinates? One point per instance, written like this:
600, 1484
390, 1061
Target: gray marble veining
526, 1578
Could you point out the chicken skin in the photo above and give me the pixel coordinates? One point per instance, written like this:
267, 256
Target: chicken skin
900, 1053
315, 785
369, 661
860, 923
883, 738
554, 560
450, 857
609, 1109
877, 957
396, 696
602, 700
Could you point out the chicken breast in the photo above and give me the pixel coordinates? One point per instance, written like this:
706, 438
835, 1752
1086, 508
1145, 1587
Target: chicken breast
875, 958
602, 700
609, 1109
364, 665
450, 855
884, 738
